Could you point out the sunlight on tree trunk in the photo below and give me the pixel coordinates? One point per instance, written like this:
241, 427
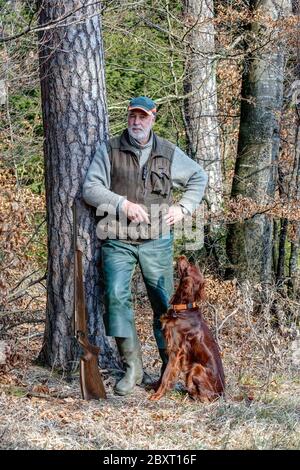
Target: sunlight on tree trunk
201, 104
75, 119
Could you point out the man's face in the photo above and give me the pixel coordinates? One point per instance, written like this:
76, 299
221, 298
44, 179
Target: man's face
140, 125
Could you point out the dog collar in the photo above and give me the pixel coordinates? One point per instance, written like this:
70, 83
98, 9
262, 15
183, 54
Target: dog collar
178, 307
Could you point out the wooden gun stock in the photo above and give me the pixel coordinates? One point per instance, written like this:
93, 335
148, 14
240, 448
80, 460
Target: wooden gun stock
91, 382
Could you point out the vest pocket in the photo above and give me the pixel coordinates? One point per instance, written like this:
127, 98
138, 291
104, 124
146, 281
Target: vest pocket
160, 183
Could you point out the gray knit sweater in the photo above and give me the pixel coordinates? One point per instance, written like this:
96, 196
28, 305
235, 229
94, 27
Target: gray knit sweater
186, 174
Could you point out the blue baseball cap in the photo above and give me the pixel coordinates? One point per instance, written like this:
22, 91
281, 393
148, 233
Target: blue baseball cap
144, 103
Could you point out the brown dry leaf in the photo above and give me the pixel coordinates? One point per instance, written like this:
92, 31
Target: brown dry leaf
44, 389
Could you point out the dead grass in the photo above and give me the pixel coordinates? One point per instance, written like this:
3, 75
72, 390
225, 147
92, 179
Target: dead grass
261, 410
271, 422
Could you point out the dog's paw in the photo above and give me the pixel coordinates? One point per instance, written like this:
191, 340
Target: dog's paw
155, 397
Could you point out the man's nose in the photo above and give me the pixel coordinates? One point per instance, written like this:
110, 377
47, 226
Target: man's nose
136, 120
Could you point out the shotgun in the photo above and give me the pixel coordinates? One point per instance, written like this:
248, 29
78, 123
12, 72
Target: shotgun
91, 382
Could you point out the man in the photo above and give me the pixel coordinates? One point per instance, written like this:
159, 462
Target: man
128, 177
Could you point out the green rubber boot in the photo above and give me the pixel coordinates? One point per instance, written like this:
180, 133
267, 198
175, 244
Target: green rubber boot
130, 352
164, 357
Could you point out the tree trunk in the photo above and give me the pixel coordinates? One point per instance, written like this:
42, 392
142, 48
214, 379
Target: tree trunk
75, 119
294, 268
280, 274
282, 236
201, 105
249, 244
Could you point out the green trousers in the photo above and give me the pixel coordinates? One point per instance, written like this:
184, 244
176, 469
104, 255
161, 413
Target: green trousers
119, 260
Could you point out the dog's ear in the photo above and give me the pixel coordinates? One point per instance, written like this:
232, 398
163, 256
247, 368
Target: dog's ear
182, 265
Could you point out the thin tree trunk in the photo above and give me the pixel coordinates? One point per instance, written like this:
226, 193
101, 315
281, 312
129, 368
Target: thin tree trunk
280, 267
280, 274
275, 245
249, 244
75, 119
294, 268
201, 105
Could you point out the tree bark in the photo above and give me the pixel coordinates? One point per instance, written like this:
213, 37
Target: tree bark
249, 244
200, 107
280, 274
75, 120
294, 268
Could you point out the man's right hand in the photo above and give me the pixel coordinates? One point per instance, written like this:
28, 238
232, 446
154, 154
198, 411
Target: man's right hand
135, 212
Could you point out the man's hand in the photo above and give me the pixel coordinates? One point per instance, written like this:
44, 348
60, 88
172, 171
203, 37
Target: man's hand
135, 212
174, 215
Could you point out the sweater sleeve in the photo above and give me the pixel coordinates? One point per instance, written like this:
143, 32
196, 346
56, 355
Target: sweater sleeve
97, 182
188, 175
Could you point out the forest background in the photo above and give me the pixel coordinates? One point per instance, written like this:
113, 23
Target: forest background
226, 79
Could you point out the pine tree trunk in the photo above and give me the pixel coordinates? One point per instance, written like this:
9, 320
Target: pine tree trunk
75, 119
249, 244
201, 104
294, 268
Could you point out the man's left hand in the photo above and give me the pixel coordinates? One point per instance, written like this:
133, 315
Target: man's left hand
174, 215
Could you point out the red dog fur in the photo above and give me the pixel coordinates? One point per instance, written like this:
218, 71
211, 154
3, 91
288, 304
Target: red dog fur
191, 347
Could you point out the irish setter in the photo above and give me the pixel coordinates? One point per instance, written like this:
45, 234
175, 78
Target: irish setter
191, 347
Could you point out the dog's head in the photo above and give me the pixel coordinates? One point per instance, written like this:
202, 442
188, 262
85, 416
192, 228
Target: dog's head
191, 279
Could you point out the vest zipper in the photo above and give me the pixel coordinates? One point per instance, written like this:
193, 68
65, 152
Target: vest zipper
146, 167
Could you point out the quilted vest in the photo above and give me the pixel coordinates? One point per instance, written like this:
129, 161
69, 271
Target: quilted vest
149, 186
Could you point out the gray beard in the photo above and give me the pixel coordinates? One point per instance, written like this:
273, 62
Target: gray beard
138, 136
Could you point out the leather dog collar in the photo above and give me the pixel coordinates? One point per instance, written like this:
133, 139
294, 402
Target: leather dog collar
179, 307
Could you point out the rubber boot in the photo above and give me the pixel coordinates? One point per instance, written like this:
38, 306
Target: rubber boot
147, 379
164, 357
130, 351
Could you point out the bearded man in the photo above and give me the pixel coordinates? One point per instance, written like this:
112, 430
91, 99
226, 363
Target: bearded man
129, 176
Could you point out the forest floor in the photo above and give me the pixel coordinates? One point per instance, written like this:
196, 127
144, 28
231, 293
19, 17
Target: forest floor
40, 410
